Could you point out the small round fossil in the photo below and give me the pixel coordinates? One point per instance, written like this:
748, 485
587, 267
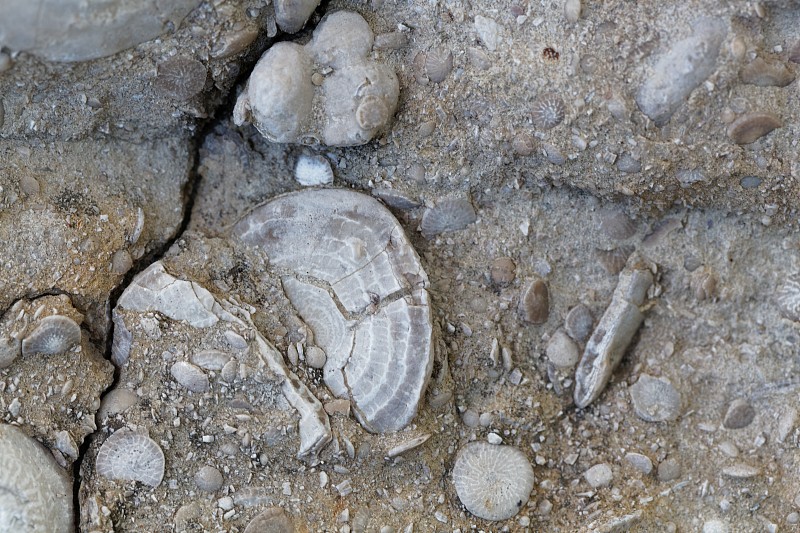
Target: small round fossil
372, 113
492, 481
503, 271
438, 64
54, 334
548, 111
208, 479
181, 78
788, 298
273, 520
130, 456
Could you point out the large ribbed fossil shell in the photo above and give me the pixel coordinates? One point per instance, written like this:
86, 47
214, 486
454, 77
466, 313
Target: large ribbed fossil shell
130, 456
349, 270
35, 494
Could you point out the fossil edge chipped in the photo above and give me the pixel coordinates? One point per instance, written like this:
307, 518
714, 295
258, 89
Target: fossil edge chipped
354, 278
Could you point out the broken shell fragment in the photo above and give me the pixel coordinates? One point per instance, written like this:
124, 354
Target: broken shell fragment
362, 292
613, 333
534, 305
752, 126
54, 334
129, 456
492, 481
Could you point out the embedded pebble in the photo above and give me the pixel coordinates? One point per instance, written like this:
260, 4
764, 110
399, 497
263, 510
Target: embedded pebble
534, 303
190, 376
210, 359
572, 10
208, 479
599, 475
503, 271
291, 15
489, 32
695, 57
794, 55
562, 351
640, 462
10, 349
579, 323
121, 261
29, 185
715, 526
523, 144
655, 399
492, 481
315, 357
116, 401
741, 471
669, 470
617, 225
739, 414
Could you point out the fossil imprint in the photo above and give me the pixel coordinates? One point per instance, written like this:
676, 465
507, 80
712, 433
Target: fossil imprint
354, 278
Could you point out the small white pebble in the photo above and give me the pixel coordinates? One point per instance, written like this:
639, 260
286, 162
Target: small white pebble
494, 438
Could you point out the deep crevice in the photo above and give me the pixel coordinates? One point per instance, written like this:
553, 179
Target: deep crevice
221, 114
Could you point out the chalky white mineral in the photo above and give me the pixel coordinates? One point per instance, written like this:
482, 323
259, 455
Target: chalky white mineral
354, 278
35, 493
492, 481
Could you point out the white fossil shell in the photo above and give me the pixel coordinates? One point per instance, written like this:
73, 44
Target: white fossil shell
313, 170
35, 493
129, 456
361, 289
54, 334
190, 376
492, 481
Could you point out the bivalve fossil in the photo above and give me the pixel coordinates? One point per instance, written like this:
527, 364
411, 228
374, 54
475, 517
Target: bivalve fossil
534, 303
312, 170
449, 214
35, 493
354, 278
548, 111
492, 481
438, 64
766, 74
788, 298
750, 127
130, 456
53, 334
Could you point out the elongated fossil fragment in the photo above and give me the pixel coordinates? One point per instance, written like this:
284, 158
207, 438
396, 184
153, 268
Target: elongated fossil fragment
614, 332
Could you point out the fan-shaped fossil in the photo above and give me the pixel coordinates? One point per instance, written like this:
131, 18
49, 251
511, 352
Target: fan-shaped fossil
130, 456
492, 481
35, 494
54, 334
349, 270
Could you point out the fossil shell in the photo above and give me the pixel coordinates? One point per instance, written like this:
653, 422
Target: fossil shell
548, 111
766, 74
9, 351
313, 170
704, 284
208, 479
534, 305
360, 287
523, 144
752, 126
579, 323
210, 359
438, 64
788, 298
503, 271
35, 493
181, 78
450, 214
190, 376
115, 402
372, 113
613, 261
794, 55
273, 520
129, 456
492, 481
617, 225
54, 334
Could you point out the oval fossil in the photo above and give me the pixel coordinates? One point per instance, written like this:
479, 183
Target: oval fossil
353, 277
